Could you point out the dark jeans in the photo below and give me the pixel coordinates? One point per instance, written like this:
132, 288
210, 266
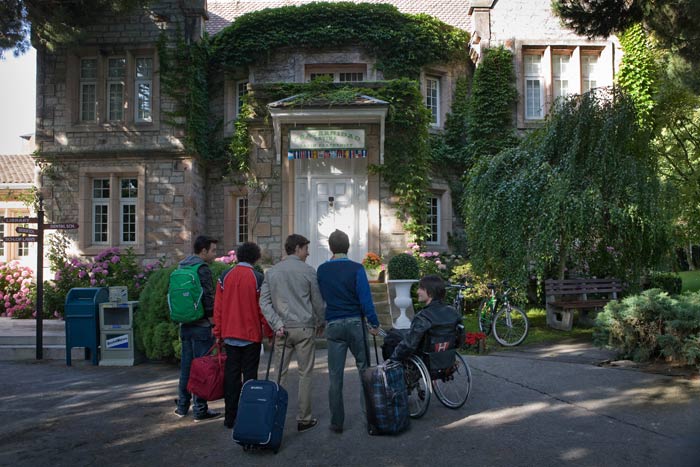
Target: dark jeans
341, 335
241, 365
196, 341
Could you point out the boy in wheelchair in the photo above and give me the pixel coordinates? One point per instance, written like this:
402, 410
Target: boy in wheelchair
435, 333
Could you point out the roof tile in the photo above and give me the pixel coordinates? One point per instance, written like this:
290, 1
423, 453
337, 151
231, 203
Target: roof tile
16, 168
453, 12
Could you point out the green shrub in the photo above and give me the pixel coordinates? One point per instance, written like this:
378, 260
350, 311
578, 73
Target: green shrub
403, 266
156, 335
651, 325
667, 281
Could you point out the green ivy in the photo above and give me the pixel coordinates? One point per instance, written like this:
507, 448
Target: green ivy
402, 43
185, 76
639, 72
489, 127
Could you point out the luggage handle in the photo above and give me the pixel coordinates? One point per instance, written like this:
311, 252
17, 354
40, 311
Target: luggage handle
363, 323
219, 351
269, 359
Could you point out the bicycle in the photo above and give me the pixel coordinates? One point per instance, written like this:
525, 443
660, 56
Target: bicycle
452, 385
459, 302
508, 323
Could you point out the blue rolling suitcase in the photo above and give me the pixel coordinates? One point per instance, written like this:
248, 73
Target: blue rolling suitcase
262, 410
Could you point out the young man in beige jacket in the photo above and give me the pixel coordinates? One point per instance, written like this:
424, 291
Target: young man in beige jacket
291, 302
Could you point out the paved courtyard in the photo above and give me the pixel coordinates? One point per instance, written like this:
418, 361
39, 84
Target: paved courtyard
543, 406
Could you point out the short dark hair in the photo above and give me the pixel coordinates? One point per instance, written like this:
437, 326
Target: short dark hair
434, 286
339, 242
203, 243
248, 252
294, 241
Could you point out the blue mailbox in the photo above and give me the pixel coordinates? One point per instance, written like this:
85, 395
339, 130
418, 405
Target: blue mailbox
81, 314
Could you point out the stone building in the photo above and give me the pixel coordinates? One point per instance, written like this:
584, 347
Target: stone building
116, 164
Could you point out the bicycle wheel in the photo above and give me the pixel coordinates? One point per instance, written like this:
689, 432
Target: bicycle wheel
484, 316
418, 386
453, 390
510, 326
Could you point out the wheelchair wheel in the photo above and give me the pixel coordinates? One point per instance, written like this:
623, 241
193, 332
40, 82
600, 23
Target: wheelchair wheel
453, 389
510, 326
418, 386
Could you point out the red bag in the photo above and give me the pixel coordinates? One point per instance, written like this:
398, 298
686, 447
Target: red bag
207, 375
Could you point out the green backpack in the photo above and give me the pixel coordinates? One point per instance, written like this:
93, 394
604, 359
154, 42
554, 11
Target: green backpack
185, 294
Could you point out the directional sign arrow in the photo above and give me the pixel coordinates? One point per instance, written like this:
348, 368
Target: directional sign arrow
27, 230
62, 226
20, 239
19, 220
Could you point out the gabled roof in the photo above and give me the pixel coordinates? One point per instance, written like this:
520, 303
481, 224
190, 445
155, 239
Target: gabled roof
16, 168
359, 101
452, 12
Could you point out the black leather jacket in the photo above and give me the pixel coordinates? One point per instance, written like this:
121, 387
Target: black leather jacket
436, 316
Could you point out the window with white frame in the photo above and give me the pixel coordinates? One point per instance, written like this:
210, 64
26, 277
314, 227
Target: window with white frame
242, 220
144, 89
116, 74
22, 247
534, 87
241, 91
127, 202
338, 73
88, 89
433, 220
113, 206
116, 89
560, 75
100, 210
432, 98
589, 72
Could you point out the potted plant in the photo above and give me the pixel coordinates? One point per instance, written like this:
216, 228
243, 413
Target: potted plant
373, 265
403, 273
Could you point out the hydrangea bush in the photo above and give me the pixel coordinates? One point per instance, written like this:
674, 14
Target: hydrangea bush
111, 267
17, 290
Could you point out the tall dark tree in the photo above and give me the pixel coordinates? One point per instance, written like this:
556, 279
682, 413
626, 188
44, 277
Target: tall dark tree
51, 21
675, 24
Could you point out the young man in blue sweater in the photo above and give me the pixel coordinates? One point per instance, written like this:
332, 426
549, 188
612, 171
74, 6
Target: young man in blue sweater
345, 290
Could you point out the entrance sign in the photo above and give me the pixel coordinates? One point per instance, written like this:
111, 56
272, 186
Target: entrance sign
63, 226
18, 220
20, 239
327, 139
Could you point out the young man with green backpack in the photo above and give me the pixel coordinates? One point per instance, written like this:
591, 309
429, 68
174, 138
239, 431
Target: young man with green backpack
191, 302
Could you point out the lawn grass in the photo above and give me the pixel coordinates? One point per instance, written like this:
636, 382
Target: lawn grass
691, 280
539, 332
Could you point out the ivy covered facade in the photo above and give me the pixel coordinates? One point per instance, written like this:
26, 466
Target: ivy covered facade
245, 123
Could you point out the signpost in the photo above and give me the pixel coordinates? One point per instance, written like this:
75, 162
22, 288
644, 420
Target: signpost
39, 239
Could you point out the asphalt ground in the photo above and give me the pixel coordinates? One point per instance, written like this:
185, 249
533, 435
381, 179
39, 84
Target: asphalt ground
535, 406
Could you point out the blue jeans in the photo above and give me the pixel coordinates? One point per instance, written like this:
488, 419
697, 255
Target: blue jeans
341, 335
196, 341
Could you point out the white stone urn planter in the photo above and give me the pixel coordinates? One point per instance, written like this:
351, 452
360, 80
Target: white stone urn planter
402, 301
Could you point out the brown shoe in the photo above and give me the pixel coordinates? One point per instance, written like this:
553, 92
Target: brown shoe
303, 426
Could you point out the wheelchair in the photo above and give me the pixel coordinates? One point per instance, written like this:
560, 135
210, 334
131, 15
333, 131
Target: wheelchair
451, 385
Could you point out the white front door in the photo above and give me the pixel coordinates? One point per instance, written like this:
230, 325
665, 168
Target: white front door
327, 204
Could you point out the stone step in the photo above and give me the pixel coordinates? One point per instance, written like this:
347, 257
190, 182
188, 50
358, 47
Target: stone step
47, 339
28, 352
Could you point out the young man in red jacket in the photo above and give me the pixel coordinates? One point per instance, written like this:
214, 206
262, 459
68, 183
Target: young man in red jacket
240, 323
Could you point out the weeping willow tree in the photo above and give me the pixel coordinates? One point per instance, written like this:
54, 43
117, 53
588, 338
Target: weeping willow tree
579, 195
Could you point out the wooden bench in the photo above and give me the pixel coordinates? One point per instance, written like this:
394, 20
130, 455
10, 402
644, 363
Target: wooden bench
565, 296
